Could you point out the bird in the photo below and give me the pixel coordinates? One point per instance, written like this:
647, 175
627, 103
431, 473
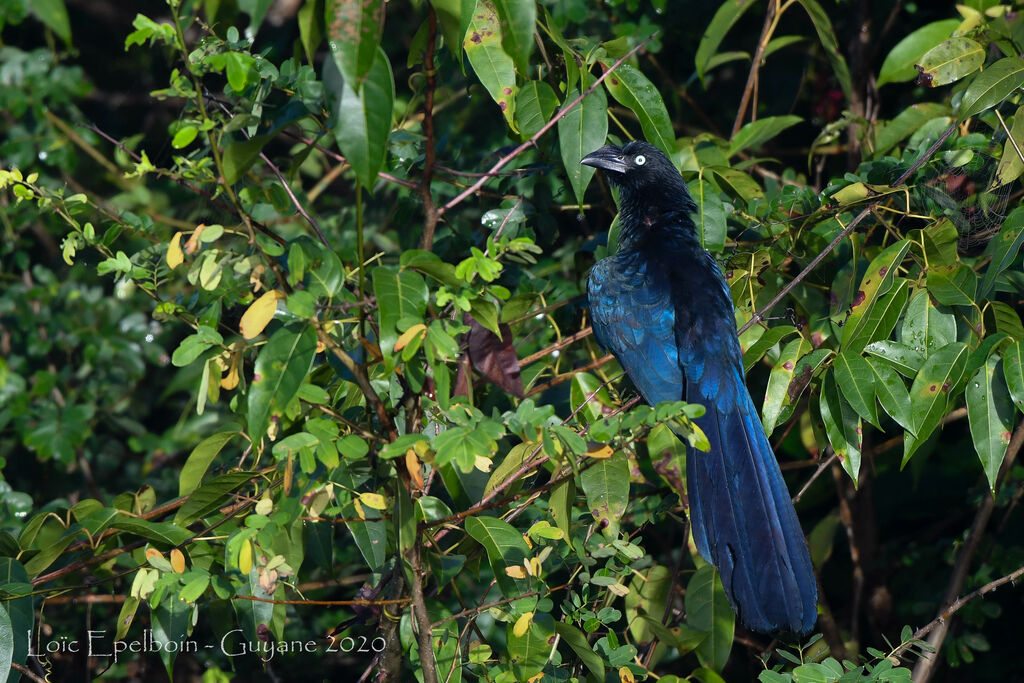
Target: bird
662, 307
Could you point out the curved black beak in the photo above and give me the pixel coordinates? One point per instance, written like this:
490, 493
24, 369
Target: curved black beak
609, 157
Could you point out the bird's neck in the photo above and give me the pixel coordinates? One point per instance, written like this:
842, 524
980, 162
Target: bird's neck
652, 215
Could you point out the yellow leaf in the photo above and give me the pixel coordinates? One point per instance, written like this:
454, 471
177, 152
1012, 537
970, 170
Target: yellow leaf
193, 242
522, 625
245, 557
416, 330
534, 566
536, 678
483, 463
619, 589
153, 552
230, 381
374, 500
625, 675
516, 572
360, 513
259, 314
265, 506
175, 257
177, 561
412, 463
601, 452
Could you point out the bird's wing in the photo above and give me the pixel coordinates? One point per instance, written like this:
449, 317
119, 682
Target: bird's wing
633, 317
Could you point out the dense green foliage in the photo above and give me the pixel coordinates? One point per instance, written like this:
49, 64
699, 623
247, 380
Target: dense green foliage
294, 354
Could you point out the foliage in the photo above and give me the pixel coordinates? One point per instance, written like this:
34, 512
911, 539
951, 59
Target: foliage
310, 362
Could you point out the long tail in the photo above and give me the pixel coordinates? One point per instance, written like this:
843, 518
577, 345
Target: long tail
744, 522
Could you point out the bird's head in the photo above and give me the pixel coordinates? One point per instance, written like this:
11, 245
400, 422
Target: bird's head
640, 169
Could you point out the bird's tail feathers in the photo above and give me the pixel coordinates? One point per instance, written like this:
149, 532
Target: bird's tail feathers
744, 523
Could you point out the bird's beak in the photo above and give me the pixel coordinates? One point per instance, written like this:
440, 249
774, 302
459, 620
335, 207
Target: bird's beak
609, 157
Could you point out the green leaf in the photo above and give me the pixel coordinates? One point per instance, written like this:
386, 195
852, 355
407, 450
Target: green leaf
505, 548
577, 641
535, 103
606, 486
842, 426
17, 615
950, 61
903, 357
462, 445
491, 63
529, 652
777, 394
707, 610
993, 85
827, 37
990, 413
1011, 165
726, 15
239, 156
164, 533
580, 132
631, 88
54, 15
518, 19
184, 137
281, 367
879, 320
311, 27
361, 120
369, 534
892, 393
455, 16
769, 339
1002, 250
649, 591
856, 382
1013, 371
710, 217
206, 499
199, 461
953, 286
354, 30
878, 280
401, 294
741, 184
756, 133
926, 328
899, 64
930, 393
906, 123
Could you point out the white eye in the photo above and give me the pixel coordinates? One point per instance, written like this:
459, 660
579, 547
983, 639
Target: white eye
640, 160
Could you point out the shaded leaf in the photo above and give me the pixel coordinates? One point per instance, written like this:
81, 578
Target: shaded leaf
580, 132
361, 121
993, 85
990, 413
707, 610
631, 88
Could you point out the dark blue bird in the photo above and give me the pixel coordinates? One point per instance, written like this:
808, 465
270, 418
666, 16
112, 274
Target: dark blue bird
661, 305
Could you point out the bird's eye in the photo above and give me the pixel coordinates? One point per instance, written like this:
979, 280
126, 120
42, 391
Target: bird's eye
640, 160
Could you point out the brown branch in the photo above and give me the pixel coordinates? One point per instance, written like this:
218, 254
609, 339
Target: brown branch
817, 473
424, 631
925, 667
561, 379
25, 671
429, 208
958, 604
557, 346
472, 189
486, 606
326, 603
755, 66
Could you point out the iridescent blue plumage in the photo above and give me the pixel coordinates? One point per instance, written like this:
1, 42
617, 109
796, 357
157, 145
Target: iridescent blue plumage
661, 305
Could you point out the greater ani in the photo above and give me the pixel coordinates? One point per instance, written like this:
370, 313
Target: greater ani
661, 305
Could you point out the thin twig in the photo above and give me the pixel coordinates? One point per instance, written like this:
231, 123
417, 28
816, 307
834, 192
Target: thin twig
472, 189
925, 667
817, 473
